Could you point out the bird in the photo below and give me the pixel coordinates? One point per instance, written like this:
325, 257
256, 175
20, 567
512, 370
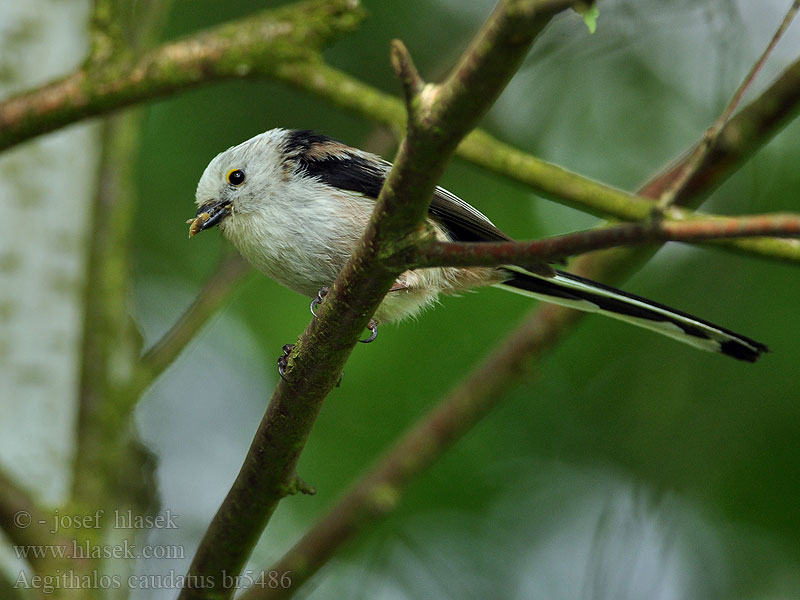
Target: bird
295, 203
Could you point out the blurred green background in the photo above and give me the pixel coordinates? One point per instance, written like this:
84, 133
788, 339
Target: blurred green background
624, 465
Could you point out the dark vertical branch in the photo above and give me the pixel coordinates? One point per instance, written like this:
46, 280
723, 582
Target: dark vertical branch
107, 334
108, 464
440, 116
378, 492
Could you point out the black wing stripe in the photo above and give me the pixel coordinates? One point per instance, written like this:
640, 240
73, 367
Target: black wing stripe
334, 163
346, 168
461, 223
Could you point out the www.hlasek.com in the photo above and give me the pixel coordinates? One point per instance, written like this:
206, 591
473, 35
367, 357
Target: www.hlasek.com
88, 550
70, 580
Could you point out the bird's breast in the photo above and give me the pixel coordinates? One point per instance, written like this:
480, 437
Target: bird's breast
302, 245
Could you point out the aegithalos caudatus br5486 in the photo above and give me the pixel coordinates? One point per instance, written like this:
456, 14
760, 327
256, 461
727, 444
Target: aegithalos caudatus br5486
295, 203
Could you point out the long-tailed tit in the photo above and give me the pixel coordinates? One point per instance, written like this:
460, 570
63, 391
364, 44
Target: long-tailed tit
295, 203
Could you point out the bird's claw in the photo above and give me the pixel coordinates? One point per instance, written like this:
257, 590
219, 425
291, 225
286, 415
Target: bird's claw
323, 291
283, 360
373, 327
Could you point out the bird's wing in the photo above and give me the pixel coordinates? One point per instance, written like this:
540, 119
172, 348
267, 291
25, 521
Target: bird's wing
347, 168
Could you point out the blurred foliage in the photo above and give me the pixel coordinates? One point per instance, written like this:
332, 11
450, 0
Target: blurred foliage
614, 408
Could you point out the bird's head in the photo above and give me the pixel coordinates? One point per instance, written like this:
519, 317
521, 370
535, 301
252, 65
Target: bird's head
239, 180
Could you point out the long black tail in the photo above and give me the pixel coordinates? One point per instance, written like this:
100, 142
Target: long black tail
583, 294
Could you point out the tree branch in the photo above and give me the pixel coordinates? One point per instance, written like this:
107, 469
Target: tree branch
492, 254
230, 272
378, 492
695, 159
108, 335
21, 518
183, 64
111, 468
445, 114
251, 46
745, 134
110, 344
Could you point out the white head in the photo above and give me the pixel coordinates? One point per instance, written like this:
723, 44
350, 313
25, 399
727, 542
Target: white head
238, 180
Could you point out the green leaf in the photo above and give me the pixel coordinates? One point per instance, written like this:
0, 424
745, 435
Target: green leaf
590, 12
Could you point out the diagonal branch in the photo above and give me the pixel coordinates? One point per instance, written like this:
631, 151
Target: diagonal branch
30, 528
441, 115
22, 520
215, 291
695, 159
378, 492
741, 137
252, 46
492, 254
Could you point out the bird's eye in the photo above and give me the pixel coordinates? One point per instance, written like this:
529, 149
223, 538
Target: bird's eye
236, 177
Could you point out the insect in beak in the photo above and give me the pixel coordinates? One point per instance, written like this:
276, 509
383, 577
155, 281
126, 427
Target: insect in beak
208, 215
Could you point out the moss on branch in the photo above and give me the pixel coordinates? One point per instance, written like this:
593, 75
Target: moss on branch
249, 47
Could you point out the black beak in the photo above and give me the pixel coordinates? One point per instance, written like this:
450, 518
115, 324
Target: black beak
208, 215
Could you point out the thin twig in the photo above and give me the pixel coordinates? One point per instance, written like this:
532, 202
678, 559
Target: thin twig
214, 292
692, 164
406, 71
491, 254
